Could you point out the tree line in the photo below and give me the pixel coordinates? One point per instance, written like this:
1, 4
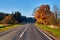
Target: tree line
7, 18
14, 18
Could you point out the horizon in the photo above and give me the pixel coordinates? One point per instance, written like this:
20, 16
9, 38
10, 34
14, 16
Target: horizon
26, 7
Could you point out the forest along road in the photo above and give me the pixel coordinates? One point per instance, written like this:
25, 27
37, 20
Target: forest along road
26, 32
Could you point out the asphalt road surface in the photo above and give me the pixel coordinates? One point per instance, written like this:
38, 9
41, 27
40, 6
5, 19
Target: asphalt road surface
25, 32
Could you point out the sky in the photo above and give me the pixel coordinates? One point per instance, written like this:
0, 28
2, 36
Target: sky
26, 7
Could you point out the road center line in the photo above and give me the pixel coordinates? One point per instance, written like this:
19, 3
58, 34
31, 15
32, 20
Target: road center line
23, 32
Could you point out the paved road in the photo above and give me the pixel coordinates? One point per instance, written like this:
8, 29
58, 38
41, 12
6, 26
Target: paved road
26, 32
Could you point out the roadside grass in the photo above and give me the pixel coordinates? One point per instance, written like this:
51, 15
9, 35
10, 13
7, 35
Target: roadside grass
54, 32
2, 28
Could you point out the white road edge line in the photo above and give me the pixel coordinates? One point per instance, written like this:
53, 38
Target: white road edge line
23, 32
45, 35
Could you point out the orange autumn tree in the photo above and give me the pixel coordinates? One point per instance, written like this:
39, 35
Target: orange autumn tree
44, 15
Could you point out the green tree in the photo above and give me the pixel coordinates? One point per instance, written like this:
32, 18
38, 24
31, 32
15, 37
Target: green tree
17, 16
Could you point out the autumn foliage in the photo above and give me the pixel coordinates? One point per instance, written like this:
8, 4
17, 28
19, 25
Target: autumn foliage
8, 19
44, 15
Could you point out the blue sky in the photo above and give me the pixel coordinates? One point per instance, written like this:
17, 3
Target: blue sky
26, 7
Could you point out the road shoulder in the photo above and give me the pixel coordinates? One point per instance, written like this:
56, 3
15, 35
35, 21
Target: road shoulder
48, 34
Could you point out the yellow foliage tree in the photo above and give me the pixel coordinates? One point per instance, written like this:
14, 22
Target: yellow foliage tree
44, 15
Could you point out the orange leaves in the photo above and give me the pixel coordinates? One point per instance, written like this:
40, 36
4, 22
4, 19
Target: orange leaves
45, 22
43, 14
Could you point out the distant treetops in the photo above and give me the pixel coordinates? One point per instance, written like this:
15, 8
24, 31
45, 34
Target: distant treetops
43, 15
14, 18
7, 18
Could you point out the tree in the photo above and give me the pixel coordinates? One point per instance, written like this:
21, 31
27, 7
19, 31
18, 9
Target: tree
14, 17
56, 11
44, 15
17, 16
8, 20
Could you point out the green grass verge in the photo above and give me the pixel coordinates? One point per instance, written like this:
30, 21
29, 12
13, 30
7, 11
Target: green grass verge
1, 26
54, 32
2, 29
